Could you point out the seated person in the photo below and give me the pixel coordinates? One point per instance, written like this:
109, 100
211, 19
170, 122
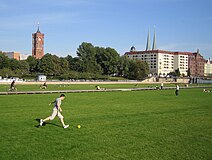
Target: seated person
97, 88
44, 86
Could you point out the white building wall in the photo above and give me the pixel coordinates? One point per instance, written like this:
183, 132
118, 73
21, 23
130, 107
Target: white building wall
181, 62
23, 56
208, 68
163, 63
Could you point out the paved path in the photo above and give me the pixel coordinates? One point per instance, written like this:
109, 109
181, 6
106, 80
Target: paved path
103, 90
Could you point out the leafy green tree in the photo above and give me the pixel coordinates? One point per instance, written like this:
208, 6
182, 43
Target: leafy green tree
175, 73
4, 61
32, 62
108, 59
123, 66
87, 54
138, 70
47, 66
64, 65
75, 64
24, 67
14, 64
6, 72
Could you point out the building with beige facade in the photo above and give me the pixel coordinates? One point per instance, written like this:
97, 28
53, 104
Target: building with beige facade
161, 62
208, 68
13, 55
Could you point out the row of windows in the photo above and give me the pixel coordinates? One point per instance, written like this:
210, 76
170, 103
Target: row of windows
183, 61
168, 67
166, 55
152, 66
148, 59
183, 65
145, 56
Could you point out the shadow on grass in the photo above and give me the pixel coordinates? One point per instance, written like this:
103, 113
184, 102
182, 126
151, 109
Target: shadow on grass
45, 123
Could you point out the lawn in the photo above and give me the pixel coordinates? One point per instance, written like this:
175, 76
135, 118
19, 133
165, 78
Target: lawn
36, 87
136, 125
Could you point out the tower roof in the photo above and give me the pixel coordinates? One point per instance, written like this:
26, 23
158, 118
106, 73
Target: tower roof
38, 31
148, 42
154, 46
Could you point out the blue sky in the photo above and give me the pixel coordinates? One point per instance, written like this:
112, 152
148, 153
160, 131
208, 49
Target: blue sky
181, 25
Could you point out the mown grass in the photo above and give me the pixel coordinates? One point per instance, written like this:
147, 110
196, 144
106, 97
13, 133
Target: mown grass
36, 87
115, 125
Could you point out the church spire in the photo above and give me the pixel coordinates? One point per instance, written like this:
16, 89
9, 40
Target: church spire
154, 46
148, 42
38, 31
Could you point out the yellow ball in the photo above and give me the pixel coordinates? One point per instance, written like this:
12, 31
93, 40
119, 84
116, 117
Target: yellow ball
78, 126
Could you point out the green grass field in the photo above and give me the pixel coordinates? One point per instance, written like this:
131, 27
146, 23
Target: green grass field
130, 125
36, 87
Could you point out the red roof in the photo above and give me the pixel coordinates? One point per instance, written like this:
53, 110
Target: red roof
159, 51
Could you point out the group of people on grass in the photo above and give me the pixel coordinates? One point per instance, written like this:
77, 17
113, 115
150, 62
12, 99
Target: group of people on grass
206, 90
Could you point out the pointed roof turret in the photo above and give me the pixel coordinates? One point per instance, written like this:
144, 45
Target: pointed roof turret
38, 31
148, 46
154, 46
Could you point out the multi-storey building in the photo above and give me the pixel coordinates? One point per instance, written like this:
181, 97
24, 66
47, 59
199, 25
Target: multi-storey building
208, 68
162, 62
196, 64
38, 44
13, 55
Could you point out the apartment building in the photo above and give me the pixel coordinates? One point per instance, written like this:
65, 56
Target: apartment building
208, 68
162, 62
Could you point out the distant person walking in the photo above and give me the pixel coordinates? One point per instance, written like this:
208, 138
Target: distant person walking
161, 85
56, 111
177, 90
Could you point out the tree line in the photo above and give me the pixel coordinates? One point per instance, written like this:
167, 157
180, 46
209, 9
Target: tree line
92, 62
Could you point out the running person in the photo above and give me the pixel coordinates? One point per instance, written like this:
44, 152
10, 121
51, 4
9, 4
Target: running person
56, 111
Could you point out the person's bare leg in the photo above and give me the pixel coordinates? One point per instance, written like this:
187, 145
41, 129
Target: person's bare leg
43, 120
46, 119
62, 121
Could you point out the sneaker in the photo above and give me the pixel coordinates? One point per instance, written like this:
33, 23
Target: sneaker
66, 126
41, 122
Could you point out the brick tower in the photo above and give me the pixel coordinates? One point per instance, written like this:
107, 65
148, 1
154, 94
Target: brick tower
38, 44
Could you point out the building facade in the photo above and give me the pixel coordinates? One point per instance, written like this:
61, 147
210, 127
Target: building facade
38, 44
161, 62
196, 64
208, 68
13, 55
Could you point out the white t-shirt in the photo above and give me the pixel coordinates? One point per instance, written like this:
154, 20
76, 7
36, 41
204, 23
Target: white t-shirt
57, 101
